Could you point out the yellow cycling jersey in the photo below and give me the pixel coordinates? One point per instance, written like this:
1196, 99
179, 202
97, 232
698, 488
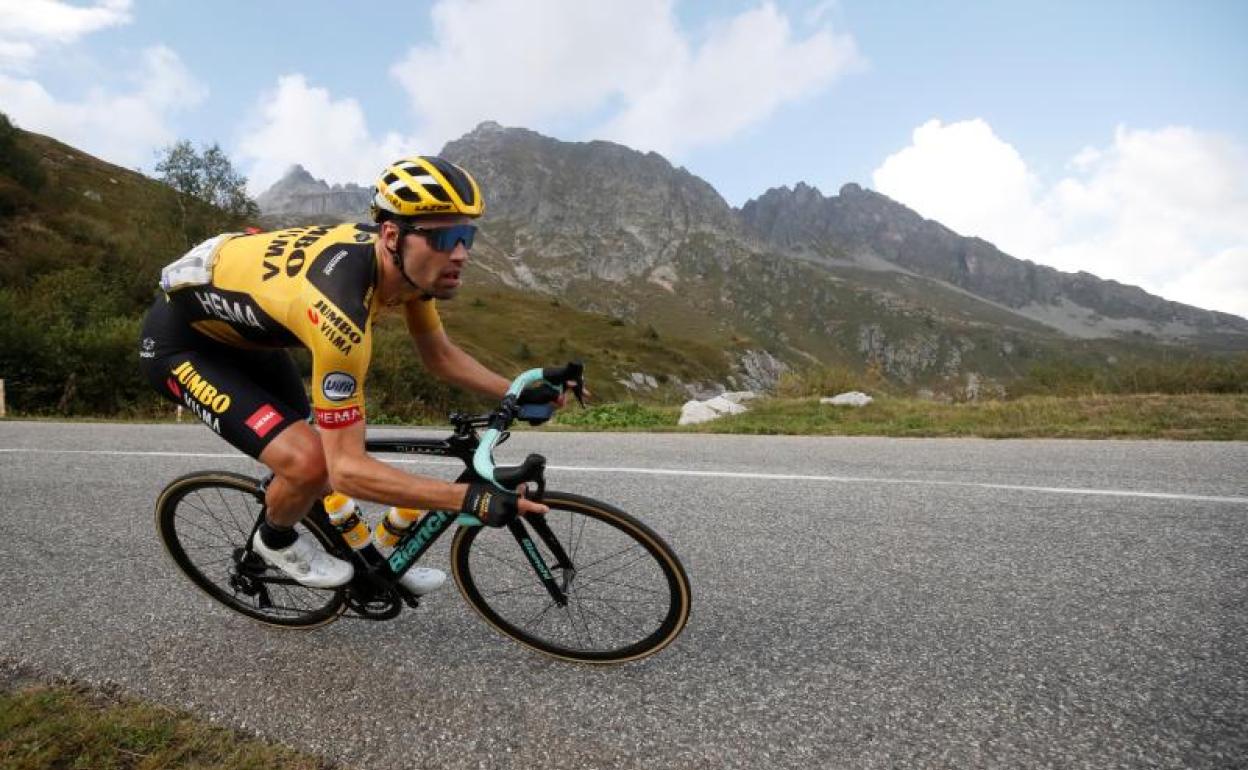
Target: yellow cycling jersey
313, 286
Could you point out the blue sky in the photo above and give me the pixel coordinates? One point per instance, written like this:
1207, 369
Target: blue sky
1076, 134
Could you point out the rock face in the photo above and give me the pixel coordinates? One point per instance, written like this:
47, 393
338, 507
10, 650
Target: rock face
297, 194
613, 212
866, 227
792, 278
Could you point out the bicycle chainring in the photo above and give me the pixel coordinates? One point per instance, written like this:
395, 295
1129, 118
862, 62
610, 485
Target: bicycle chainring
374, 603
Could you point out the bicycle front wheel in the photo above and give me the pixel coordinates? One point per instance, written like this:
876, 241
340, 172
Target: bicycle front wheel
204, 520
627, 592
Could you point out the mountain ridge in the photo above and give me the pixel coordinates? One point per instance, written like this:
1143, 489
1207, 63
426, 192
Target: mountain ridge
853, 278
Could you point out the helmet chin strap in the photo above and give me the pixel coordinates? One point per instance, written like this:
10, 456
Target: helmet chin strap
397, 258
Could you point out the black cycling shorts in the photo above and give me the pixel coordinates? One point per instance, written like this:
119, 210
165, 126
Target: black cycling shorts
247, 396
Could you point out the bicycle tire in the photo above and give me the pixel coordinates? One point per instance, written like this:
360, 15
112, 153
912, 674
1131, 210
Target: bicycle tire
476, 553
191, 523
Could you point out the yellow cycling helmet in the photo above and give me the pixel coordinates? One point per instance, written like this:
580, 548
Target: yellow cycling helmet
425, 185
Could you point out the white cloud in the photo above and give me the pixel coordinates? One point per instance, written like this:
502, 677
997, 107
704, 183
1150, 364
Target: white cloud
627, 66
1164, 209
739, 76
122, 127
27, 26
304, 124
966, 178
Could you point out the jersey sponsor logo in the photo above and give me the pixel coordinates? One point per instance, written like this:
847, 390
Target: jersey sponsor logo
148, 348
333, 262
339, 418
200, 390
263, 420
314, 316
209, 419
338, 386
173, 388
238, 313
275, 251
335, 327
433, 523
411, 208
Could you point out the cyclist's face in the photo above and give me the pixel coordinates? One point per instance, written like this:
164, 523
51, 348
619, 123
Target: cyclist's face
438, 272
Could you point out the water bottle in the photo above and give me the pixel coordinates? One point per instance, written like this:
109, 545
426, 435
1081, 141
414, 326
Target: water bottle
393, 525
344, 514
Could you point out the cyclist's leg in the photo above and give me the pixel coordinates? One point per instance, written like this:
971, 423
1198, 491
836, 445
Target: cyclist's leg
243, 396
296, 457
299, 474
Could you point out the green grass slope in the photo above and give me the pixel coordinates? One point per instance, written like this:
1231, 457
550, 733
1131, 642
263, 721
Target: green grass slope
82, 242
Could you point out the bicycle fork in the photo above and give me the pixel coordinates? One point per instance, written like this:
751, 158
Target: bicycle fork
557, 591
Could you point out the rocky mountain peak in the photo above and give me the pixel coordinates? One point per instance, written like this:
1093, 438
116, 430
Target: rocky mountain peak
300, 194
613, 226
874, 230
622, 212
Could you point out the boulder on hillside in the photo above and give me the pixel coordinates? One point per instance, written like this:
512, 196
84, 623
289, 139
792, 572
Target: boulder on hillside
694, 412
852, 398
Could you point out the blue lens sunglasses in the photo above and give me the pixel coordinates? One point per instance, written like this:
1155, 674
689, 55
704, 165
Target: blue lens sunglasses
445, 238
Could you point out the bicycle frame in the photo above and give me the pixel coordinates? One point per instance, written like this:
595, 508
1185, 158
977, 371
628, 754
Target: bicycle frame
477, 455
421, 536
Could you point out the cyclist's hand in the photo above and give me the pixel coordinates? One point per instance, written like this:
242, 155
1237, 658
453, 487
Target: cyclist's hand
495, 507
528, 506
563, 397
540, 393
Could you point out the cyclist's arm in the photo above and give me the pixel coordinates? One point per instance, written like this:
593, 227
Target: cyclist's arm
353, 472
443, 358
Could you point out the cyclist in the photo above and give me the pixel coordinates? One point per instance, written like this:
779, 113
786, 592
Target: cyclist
215, 341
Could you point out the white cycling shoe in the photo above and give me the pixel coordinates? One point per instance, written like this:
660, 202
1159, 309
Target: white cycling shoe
306, 562
422, 580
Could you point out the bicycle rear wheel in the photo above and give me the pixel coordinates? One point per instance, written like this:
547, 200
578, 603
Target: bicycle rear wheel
628, 595
204, 520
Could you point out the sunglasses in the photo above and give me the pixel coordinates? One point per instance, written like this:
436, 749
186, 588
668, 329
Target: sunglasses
445, 238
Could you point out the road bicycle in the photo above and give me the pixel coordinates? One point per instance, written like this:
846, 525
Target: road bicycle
585, 582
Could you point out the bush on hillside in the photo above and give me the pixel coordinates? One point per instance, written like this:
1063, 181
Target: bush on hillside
1192, 375
16, 162
818, 381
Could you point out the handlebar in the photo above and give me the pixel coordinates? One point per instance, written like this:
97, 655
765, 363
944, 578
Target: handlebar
534, 466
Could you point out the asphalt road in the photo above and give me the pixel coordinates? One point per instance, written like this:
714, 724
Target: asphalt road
858, 603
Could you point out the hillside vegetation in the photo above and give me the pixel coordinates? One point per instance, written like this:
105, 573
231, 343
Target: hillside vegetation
81, 247
82, 243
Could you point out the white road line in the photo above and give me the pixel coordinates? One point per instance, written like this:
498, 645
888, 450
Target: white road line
715, 474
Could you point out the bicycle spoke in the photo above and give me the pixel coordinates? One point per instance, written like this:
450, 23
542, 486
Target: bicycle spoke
208, 532
622, 585
233, 516
536, 588
215, 519
538, 618
610, 604
567, 608
596, 597
500, 560
584, 609
576, 546
622, 567
626, 549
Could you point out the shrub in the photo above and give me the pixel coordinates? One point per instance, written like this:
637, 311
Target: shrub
16, 162
619, 415
820, 381
1191, 375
